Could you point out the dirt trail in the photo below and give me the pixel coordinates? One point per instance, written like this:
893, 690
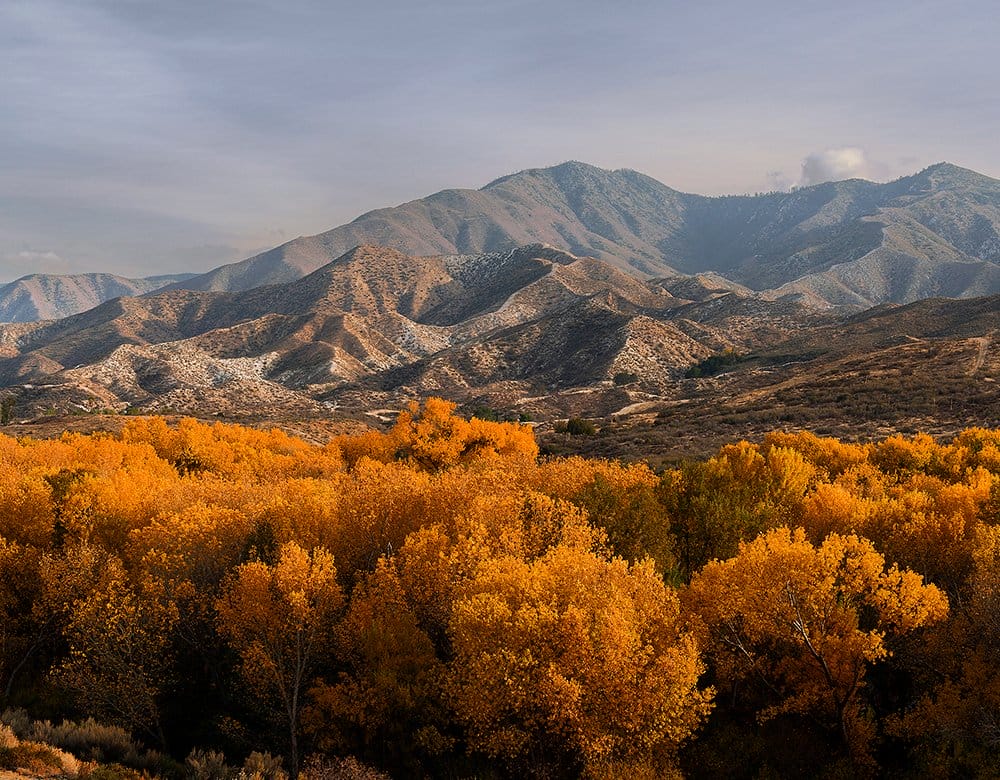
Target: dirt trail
983, 344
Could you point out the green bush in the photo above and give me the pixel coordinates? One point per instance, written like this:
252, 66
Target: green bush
577, 426
7, 409
714, 364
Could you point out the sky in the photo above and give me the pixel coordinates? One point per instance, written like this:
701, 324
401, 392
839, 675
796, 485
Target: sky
148, 137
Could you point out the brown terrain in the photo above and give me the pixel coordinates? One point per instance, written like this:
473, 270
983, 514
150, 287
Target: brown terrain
664, 367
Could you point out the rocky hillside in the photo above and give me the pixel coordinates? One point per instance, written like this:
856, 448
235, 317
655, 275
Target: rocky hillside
852, 243
52, 296
377, 325
534, 331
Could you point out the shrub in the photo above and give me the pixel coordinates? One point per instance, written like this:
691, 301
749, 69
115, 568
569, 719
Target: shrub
89, 740
262, 766
7, 409
714, 364
7, 737
109, 772
208, 765
349, 768
31, 756
18, 721
577, 426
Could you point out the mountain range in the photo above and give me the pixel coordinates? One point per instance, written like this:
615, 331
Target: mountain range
820, 307
534, 331
849, 244
51, 296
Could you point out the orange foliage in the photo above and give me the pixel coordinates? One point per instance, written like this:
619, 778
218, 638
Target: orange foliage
786, 614
485, 602
541, 648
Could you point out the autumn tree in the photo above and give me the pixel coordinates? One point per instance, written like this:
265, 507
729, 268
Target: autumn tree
24, 625
572, 658
118, 636
621, 499
433, 437
736, 495
279, 618
954, 727
388, 700
805, 623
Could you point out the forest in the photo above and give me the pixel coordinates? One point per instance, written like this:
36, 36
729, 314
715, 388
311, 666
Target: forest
216, 601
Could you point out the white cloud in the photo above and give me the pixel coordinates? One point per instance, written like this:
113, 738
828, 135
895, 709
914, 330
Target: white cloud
14, 265
779, 181
837, 164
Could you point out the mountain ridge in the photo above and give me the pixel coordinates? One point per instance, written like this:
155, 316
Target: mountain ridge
52, 296
809, 241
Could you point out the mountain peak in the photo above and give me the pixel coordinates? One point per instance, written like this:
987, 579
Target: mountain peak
946, 174
571, 169
365, 251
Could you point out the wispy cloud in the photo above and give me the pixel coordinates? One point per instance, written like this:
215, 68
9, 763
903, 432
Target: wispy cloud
28, 261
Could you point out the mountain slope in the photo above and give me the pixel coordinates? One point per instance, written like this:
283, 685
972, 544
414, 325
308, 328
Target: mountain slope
51, 296
376, 321
853, 243
534, 330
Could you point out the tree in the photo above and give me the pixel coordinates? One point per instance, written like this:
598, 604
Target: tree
805, 623
955, 725
7, 409
736, 495
578, 426
574, 659
433, 437
23, 627
118, 636
279, 619
389, 697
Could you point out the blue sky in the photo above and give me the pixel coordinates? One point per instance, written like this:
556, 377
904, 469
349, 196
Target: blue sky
148, 137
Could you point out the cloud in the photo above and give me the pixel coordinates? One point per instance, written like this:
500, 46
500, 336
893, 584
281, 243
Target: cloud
839, 163
779, 181
29, 261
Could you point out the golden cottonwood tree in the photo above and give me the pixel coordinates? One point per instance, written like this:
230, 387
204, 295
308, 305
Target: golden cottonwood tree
280, 620
23, 625
118, 636
736, 495
389, 697
433, 437
806, 622
955, 726
572, 658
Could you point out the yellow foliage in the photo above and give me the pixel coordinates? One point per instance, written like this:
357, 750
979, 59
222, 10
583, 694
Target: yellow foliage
484, 598
433, 437
786, 614
542, 647
118, 635
279, 618
830, 455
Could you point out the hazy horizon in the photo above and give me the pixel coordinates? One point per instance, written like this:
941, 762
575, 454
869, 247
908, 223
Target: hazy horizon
145, 139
